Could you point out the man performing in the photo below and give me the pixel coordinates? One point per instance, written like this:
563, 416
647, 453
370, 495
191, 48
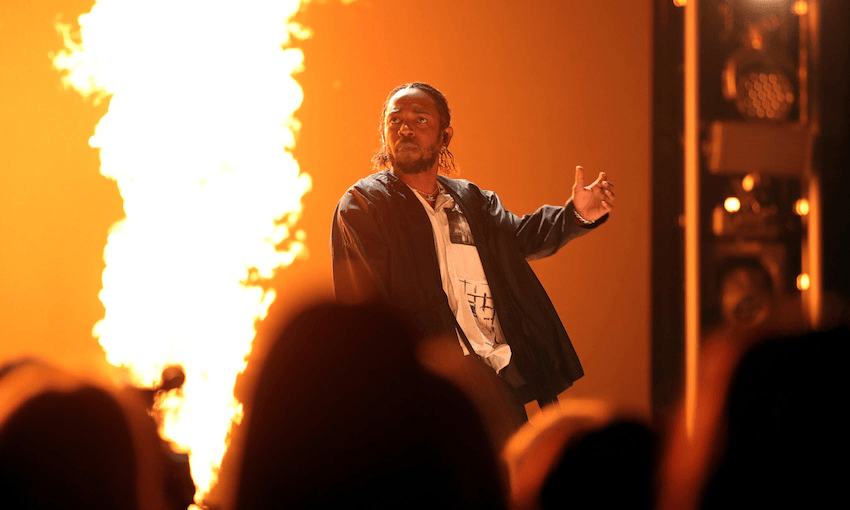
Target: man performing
452, 257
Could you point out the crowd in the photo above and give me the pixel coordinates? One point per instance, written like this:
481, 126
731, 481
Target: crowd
351, 409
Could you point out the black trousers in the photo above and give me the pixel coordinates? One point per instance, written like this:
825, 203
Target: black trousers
514, 383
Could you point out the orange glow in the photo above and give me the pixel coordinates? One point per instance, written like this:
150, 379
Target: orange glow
801, 207
198, 137
803, 281
680, 3
692, 221
749, 182
801, 7
766, 3
732, 204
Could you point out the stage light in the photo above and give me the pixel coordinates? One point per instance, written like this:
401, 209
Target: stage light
749, 182
801, 7
765, 95
801, 207
803, 281
758, 82
732, 204
758, 77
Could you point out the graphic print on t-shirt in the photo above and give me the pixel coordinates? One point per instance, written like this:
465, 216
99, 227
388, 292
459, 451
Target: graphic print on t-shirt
481, 305
469, 276
459, 232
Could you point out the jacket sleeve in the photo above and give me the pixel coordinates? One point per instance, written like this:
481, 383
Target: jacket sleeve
359, 253
543, 232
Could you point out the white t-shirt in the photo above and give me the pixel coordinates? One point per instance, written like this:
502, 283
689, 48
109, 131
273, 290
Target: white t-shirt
464, 281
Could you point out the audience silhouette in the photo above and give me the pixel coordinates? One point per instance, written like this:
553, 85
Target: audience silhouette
783, 439
352, 409
69, 443
344, 415
770, 431
581, 456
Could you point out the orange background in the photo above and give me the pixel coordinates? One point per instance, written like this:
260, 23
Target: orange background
535, 88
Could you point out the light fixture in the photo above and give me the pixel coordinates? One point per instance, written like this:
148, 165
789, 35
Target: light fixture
758, 83
756, 77
732, 204
801, 207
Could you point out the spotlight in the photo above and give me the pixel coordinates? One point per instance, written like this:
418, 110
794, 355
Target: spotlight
764, 94
803, 281
758, 79
758, 128
732, 204
801, 7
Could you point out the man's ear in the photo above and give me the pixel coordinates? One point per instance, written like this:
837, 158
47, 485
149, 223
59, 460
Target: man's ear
447, 136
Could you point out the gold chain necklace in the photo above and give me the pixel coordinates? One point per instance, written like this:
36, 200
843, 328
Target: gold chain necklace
429, 196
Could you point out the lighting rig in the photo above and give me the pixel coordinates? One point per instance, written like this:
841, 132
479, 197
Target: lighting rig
756, 179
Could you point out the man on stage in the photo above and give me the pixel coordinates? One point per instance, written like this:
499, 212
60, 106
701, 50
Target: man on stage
452, 257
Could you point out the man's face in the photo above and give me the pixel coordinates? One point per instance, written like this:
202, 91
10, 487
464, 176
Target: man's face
412, 131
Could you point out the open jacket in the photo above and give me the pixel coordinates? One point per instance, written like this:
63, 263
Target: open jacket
382, 246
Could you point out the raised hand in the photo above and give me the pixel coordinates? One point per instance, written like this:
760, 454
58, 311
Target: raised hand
594, 201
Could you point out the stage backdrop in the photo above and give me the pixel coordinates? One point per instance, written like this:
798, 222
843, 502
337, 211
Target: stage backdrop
535, 88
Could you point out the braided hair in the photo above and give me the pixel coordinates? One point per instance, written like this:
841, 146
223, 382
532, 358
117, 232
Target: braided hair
446, 163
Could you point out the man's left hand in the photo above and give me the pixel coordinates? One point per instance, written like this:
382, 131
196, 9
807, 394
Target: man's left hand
594, 201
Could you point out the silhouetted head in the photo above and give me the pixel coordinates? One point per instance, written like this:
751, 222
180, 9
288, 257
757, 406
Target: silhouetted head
344, 415
63, 444
612, 466
783, 428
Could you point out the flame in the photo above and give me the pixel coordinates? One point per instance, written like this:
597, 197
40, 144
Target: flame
198, 137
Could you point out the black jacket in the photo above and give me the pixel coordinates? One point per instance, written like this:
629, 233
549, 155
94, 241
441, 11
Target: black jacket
382, 246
